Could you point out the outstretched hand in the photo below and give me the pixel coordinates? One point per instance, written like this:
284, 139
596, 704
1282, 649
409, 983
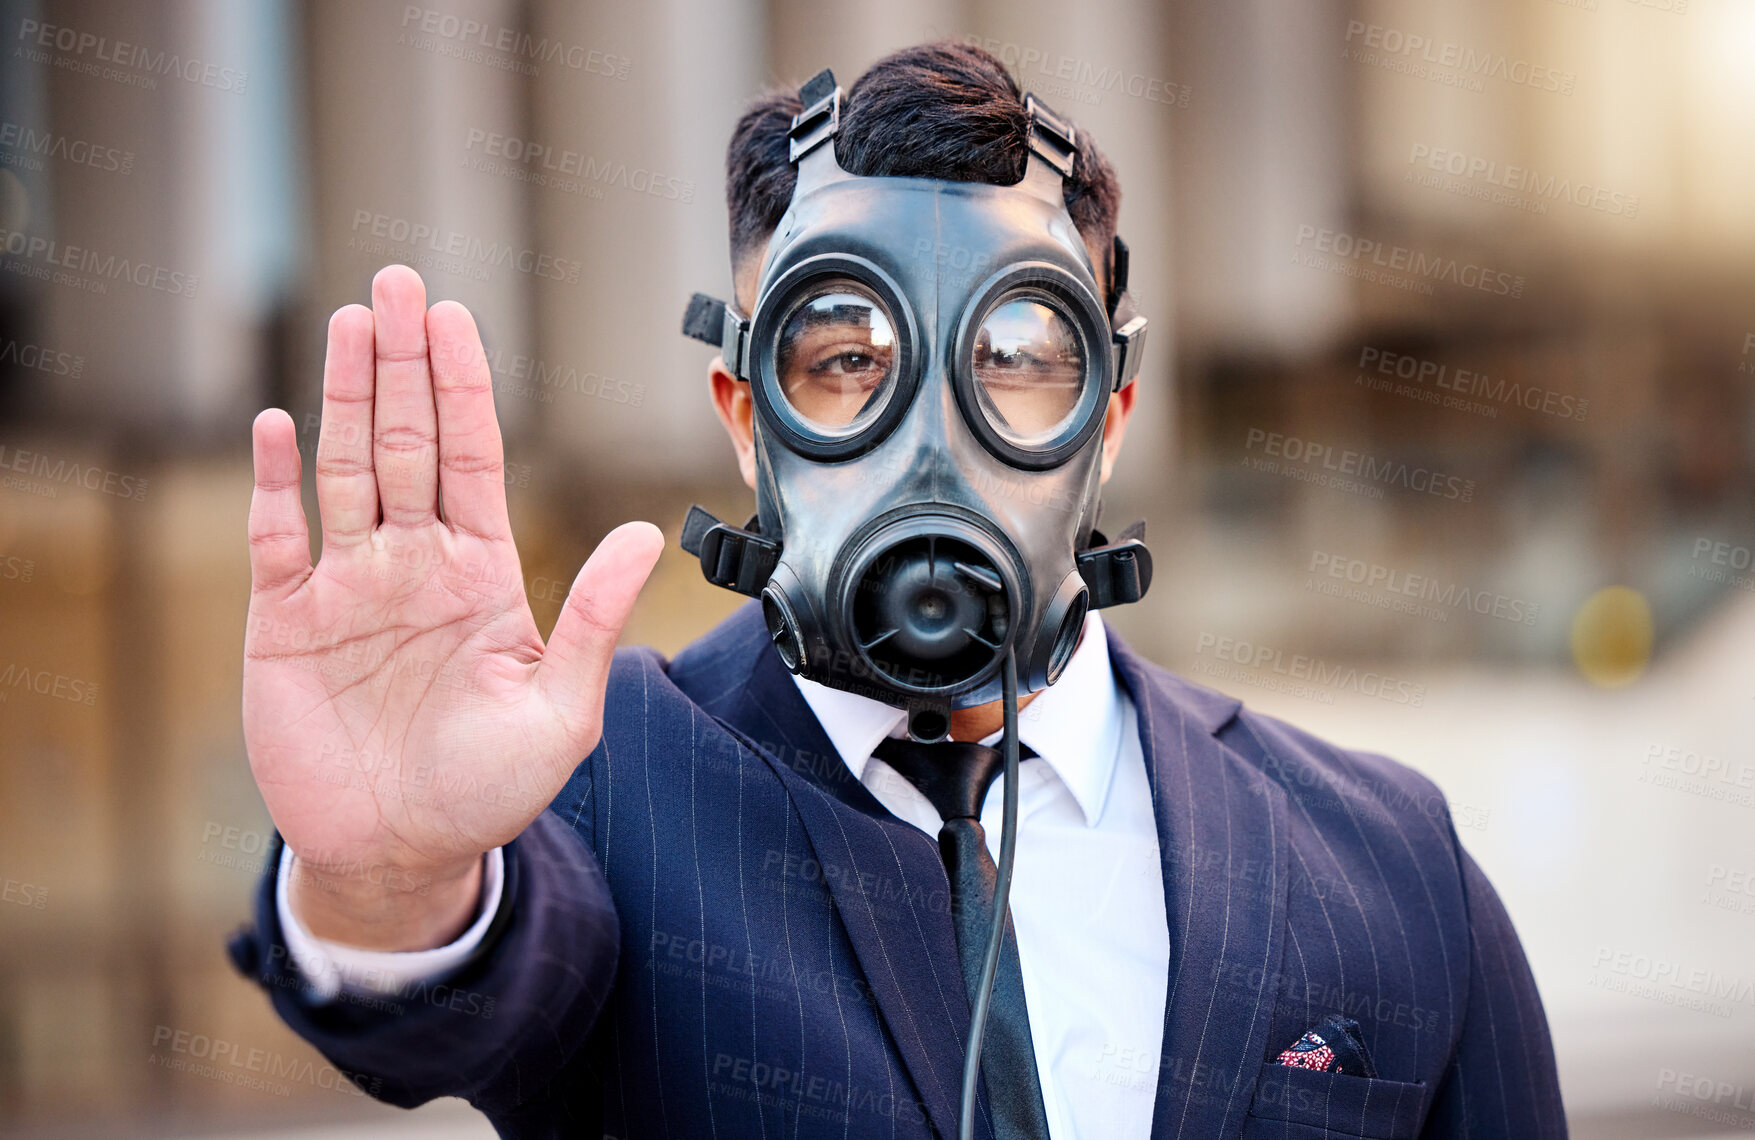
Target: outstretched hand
402, 713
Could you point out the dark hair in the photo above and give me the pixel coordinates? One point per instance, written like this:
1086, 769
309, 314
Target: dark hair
936, 110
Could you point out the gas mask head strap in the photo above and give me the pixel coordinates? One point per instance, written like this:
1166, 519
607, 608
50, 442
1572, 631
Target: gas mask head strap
1053, 143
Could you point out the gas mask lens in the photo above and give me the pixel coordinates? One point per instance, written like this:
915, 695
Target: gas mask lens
1029, 369
836, 358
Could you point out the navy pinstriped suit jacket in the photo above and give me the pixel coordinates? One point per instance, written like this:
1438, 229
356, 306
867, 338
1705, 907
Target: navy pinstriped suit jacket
715, 931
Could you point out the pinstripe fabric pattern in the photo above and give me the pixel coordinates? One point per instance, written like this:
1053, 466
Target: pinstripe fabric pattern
716, 931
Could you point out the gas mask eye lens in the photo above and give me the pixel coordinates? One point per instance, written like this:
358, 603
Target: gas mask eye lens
1029, 366
836, 357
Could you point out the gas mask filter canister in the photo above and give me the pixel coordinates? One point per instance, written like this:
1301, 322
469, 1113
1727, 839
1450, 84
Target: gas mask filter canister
930, 362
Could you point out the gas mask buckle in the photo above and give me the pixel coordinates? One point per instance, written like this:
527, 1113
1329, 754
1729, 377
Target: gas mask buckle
737, 558
1116, 573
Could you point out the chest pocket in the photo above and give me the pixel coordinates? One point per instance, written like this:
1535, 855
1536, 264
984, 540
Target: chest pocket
1305, 1104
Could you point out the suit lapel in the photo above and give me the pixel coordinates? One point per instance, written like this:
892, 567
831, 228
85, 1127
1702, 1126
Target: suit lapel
885, 876
1224, 848
1224, 858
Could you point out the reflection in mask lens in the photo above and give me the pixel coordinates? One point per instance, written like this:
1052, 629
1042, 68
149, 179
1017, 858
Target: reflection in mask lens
1029, 368
836, 358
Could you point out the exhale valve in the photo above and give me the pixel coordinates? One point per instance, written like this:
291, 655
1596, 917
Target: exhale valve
930, 612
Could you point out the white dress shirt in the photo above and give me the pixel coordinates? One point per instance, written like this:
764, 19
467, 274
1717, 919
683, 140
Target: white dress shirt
1087, 896
330, 967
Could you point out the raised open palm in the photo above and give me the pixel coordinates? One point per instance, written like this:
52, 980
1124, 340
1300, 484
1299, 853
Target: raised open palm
401, 711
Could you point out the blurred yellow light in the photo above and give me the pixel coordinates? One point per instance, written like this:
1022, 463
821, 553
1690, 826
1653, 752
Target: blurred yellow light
1612, 636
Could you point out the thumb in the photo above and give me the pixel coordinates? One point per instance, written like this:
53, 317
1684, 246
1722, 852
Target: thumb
575, 666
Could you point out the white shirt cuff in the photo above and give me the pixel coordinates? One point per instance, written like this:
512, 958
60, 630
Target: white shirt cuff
331, 968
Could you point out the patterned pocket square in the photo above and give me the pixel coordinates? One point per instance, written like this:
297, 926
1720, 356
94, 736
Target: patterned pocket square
1334, 1046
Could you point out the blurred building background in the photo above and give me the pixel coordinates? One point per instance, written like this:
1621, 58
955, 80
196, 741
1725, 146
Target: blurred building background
1446, 441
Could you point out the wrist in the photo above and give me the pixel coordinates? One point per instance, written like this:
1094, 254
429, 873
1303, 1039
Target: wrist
402, 911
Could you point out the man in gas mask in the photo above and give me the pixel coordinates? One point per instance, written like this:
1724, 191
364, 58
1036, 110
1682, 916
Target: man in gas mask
772, 899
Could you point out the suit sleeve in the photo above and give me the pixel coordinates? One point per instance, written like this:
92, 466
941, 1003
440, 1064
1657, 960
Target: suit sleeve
499, 1029
1502, 1081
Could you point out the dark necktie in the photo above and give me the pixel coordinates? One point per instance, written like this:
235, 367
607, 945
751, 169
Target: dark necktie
955, 777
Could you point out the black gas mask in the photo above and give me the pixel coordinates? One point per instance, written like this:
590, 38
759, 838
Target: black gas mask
930, 363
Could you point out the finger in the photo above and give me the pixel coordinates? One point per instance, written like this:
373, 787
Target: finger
472, 461
280, 545
347, 488
405, 430
575, 666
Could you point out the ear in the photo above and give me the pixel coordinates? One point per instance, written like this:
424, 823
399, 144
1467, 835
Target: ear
731, 399
1115, 426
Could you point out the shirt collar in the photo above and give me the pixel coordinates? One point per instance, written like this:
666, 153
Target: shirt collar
1074, 725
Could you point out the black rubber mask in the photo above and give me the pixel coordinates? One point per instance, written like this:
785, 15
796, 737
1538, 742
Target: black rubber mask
930, 362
